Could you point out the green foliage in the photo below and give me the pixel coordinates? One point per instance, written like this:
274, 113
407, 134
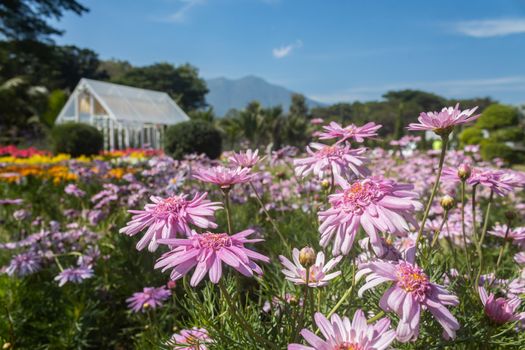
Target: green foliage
491, 149
194, 136
76, 139
27, 19
182, 83
55, 101
513, 133
471, 136
497, 116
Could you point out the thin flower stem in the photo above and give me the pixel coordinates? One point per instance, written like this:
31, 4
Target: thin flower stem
474, 233
58, 263
259, 199
503, 248
245, 325
300, 322
467, 254
347, 293
376, 317
228, 210
482, 237
434, 189
436, 235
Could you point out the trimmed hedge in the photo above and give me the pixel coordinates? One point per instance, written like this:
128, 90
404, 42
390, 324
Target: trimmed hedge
193, 136
76, 139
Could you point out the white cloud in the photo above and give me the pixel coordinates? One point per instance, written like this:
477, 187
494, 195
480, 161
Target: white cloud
181, 15
283, 51
491, 27
449, 88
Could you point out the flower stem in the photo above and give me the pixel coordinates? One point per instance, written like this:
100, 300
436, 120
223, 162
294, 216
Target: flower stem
228, 209
467, 254
300, 322
376, 317
434, 189
474, 233
245, 325
269, 216
503, 248
347, 293
482, 237
436, 236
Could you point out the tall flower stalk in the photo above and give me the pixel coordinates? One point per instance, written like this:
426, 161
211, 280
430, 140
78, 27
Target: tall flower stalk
274, 225
463, 200
434, 189
482, 237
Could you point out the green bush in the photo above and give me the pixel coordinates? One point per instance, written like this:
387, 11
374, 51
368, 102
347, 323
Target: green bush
471, 136
76, 139
515, 133
490, 150
194, 136
497, 116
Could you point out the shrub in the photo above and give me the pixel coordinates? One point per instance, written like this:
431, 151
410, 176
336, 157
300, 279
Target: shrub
471, 136
497, 116
514, 133
490, 150
76, 139
194, 136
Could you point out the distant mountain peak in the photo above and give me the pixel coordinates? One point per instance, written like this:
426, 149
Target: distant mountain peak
226, 94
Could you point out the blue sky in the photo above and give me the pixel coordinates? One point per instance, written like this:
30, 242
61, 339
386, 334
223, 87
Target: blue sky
331, 50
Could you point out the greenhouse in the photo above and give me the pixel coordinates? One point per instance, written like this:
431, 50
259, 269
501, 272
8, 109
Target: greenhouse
127, 116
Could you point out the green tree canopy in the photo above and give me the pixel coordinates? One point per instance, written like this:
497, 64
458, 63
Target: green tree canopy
182, 83
29, 19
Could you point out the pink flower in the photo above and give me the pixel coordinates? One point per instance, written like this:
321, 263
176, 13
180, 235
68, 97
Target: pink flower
516, 234
149, 298
343, 334
166, 217
499, 181
358, 133
247, 159
375, 204
520, 258
317, 121
325, 160
500, 310
207, 251
224, 177
443, 122
411, 292
190, 339
318, 277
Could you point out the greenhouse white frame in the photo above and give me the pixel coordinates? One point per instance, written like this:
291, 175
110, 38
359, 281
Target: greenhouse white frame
127, 116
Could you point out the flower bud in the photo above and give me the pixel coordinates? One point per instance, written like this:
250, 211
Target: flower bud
510, 215
447, 202
6, 346
464, 171
307, 257
325, 184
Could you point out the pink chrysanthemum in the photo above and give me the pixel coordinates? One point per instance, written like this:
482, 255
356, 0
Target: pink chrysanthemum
246, 159
167, 217
520, 258
500, 310
411, 292
342, 334
207, 251
516, 234
149, 298
443, 122
224, 177
324, 160
318, 274
358, 133
375, 204
190, 339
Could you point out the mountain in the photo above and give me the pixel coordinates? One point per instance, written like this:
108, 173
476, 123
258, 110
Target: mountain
226, 94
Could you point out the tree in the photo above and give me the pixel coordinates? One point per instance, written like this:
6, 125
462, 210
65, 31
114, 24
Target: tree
298, 106
182, 83
28, 19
